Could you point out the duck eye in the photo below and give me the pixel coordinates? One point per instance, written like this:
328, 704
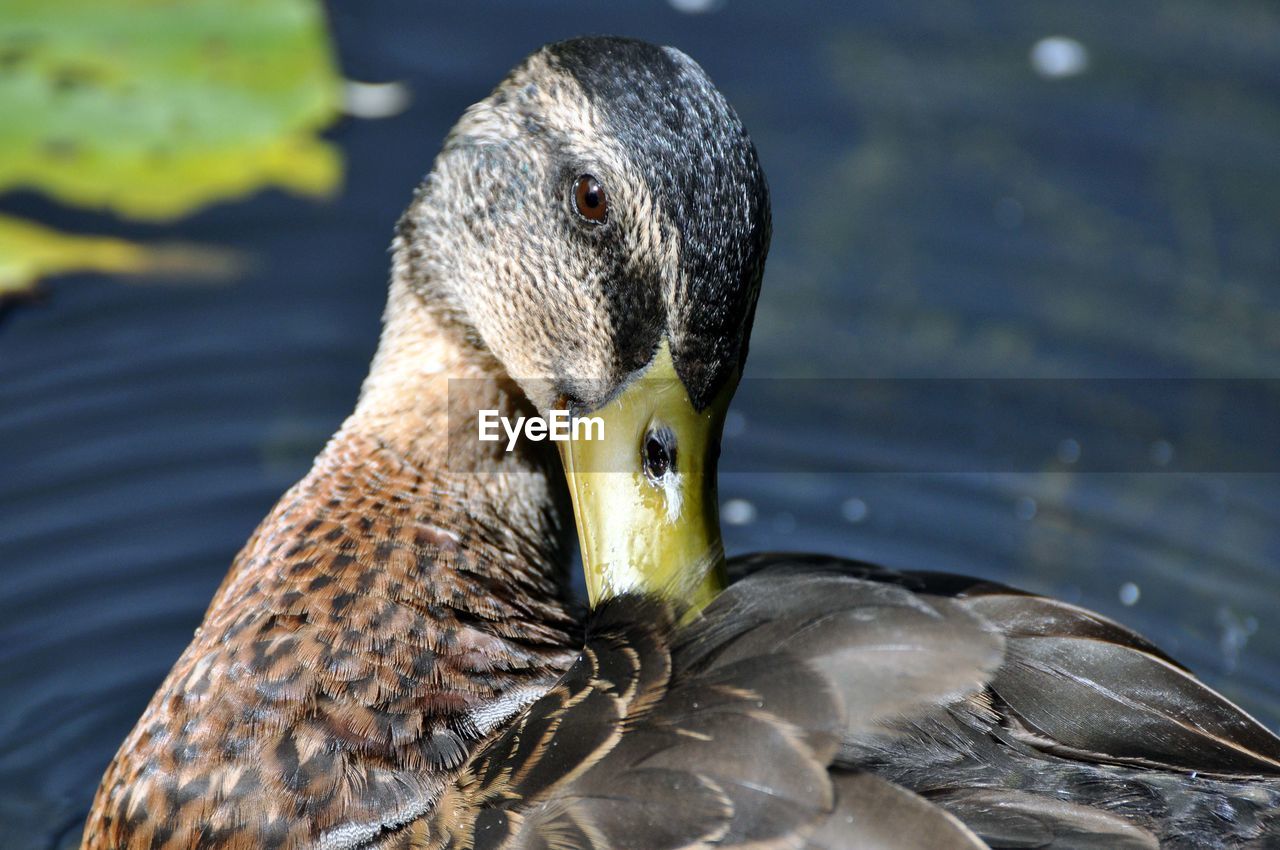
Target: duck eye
588, 196
659, 453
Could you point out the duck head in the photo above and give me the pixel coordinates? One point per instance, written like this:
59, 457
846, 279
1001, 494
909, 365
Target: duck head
599, 225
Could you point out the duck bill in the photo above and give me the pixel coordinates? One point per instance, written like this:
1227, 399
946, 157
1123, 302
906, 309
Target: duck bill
640, 534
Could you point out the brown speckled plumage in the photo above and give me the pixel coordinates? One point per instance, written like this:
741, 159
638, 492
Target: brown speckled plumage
372, 630
822, 704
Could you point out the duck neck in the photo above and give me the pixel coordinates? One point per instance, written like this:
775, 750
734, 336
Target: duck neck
404, 514
418, 407
436, 574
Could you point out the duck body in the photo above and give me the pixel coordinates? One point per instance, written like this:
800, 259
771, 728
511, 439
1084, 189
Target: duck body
323, 699
385, 616
824, 703
393, 660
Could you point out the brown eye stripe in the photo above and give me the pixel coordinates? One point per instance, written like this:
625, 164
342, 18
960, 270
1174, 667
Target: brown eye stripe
589, 198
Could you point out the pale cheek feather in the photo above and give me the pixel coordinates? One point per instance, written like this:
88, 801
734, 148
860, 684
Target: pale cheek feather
674, 496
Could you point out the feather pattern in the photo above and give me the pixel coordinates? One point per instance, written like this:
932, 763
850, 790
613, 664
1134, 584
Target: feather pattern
828, 704
722, 733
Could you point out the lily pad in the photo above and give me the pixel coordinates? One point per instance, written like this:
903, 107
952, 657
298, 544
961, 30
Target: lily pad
154, 109
29, 252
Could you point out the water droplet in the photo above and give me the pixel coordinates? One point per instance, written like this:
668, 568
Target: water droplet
1069, 451
696, 7
854, 510
1130, 593
734, 424
1235, 636
374, 100
1058, 56
1161, 452
738, 512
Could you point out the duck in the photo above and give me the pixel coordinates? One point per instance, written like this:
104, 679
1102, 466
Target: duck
395, 660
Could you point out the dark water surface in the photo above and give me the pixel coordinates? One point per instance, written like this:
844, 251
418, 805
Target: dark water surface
942, 210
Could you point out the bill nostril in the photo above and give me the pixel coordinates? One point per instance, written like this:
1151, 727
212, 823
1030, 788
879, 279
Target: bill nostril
659, 453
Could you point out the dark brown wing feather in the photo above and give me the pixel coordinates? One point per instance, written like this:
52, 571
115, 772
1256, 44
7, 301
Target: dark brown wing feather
823, 704
723, 732
1091, 737
1012, 818
879, 815
1067, 667
894, 656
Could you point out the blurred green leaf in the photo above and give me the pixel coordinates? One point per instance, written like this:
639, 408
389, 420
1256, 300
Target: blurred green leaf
153, 109
29, 252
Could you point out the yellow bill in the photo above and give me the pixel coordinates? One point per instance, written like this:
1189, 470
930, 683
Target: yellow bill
644, 492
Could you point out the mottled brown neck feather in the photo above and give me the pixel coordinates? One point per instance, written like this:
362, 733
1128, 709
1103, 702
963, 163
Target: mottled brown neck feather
396, 606
419, 404
411, 501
